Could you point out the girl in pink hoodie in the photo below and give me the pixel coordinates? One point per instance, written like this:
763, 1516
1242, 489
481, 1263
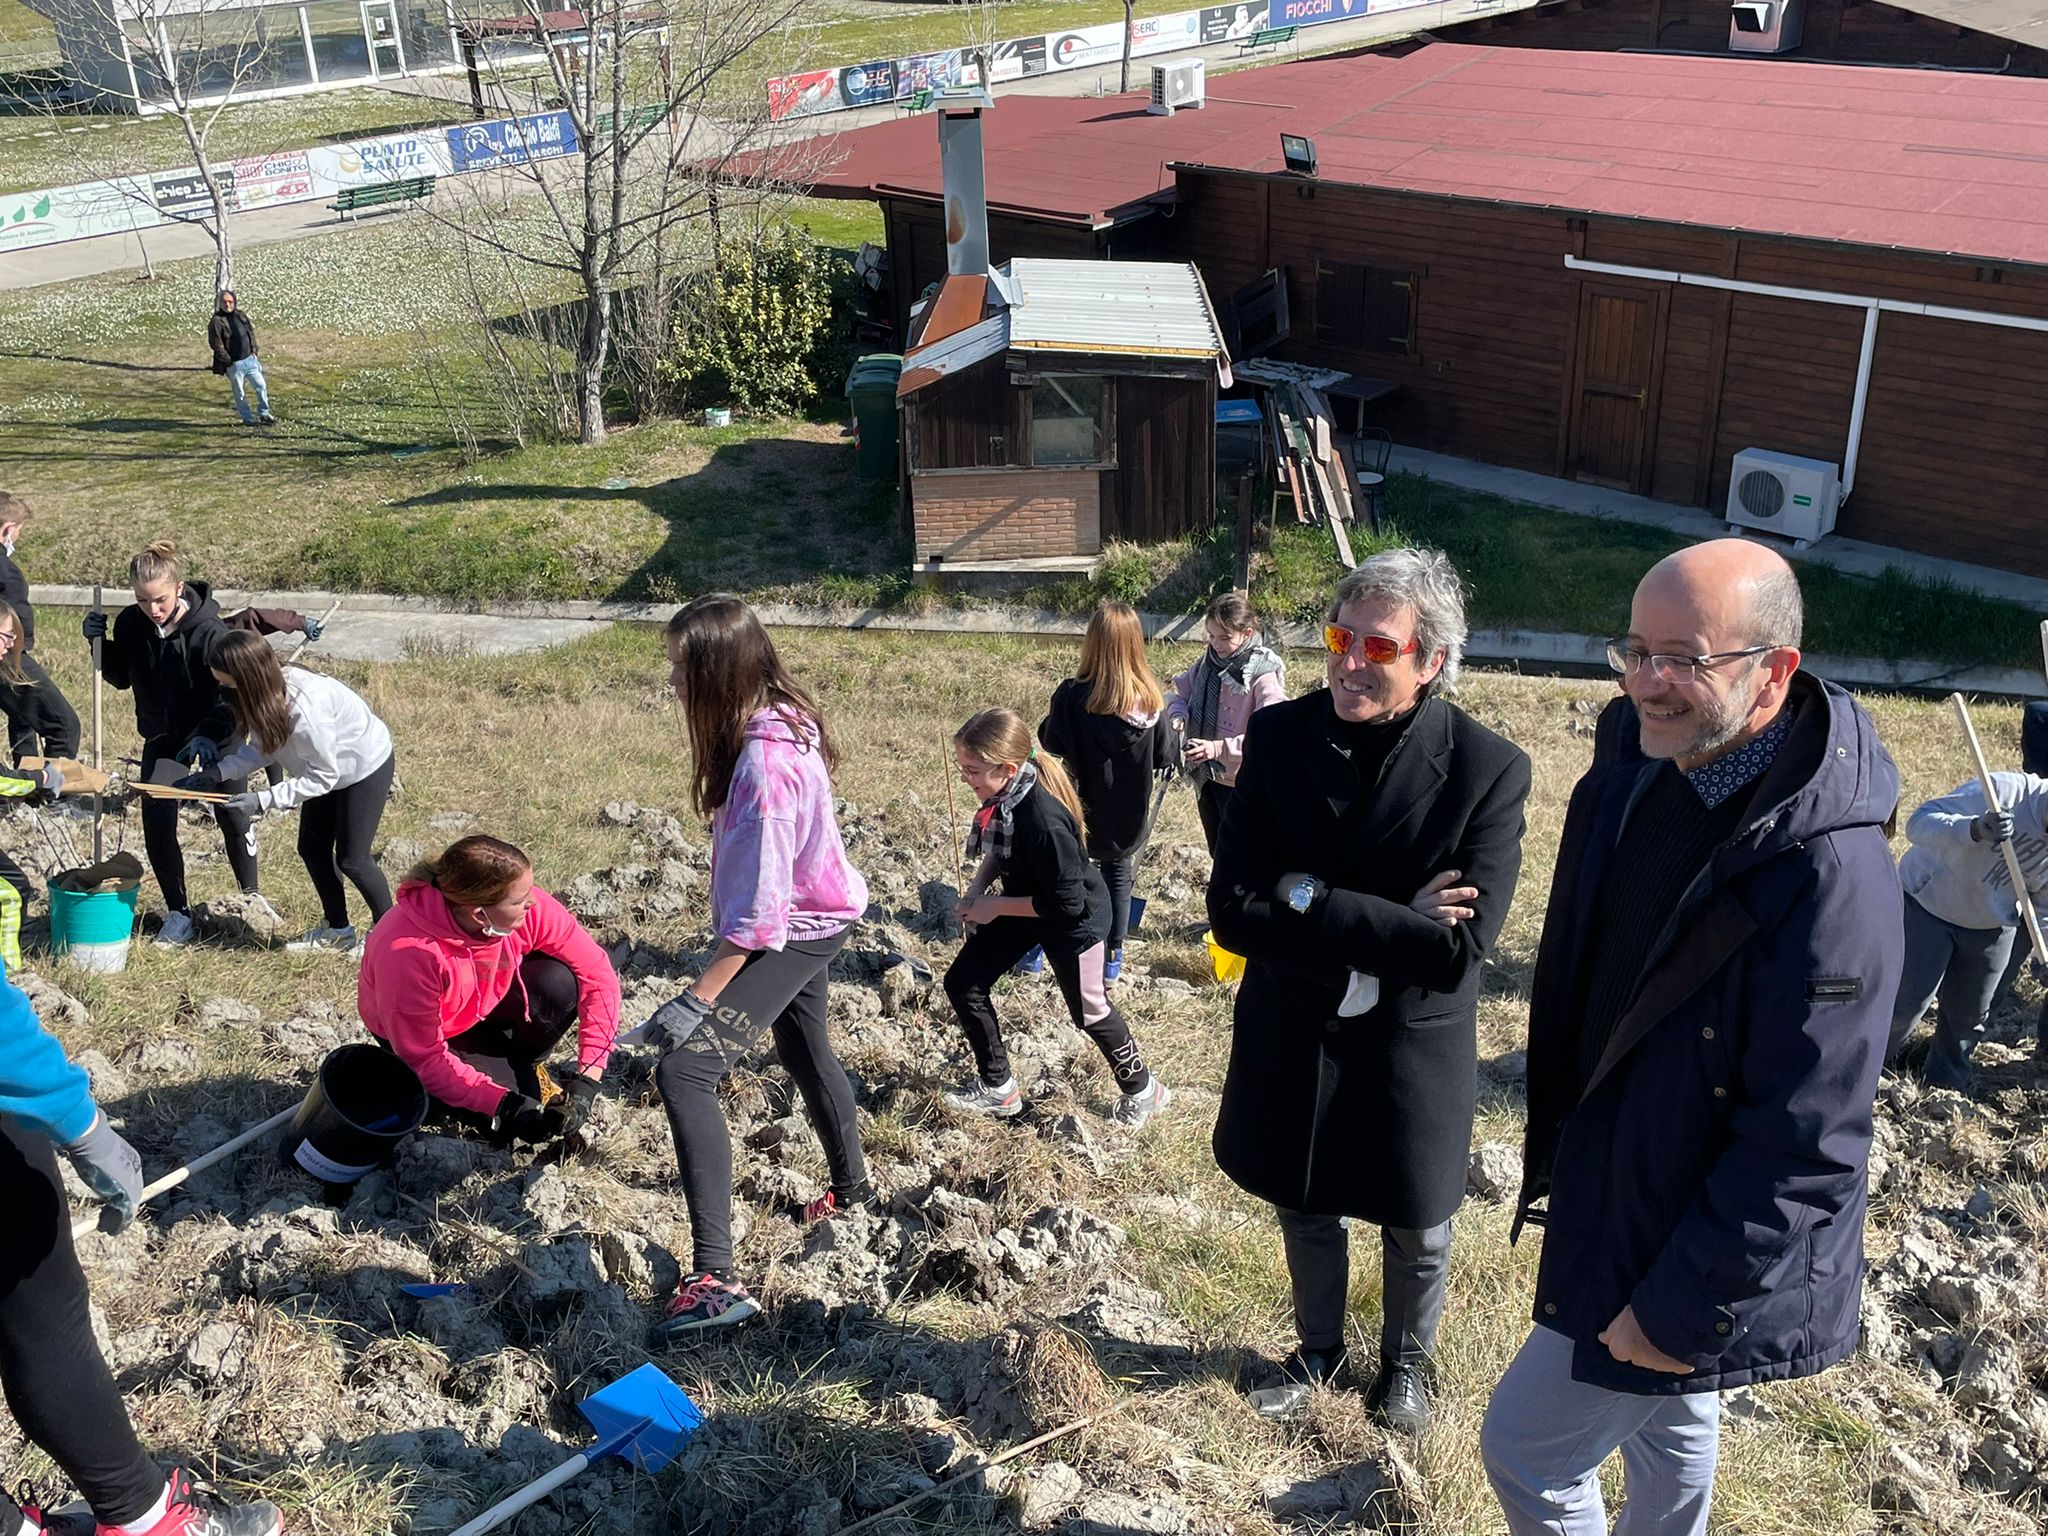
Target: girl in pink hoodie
782, 899
475, 958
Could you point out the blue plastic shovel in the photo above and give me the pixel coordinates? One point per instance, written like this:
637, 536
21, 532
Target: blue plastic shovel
643, 1418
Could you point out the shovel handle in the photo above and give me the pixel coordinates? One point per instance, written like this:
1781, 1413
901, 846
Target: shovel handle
199, 1164
531, 1494
98, 797
2022, 897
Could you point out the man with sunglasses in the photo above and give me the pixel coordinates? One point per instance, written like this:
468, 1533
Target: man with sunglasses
1709, 1012
1364, 868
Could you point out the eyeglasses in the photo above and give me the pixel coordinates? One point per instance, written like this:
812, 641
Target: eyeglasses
1379, 650
1627, 660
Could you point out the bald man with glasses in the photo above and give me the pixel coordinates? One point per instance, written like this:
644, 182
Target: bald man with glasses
1711, 1004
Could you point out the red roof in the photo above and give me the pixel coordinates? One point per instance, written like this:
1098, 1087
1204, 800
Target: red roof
1919, 159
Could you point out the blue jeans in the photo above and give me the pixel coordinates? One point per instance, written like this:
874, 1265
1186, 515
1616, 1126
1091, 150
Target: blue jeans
1546, 1435
242, 377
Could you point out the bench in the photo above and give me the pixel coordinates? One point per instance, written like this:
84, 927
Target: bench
1266, 37
918, 101
637, 120
382, 194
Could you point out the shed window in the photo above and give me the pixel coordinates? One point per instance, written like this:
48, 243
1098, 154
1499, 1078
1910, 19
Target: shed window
1067, 419
1367, 309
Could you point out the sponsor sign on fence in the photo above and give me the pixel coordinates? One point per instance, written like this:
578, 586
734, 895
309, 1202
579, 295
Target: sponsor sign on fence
392, 157
262, 180
512, 141
183, 194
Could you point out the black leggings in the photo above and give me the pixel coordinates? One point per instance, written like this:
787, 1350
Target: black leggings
989, 953
1211, 801
39, 718
1119, 875
523, 1029
782, 990
335, 832
58, 1386
160, 834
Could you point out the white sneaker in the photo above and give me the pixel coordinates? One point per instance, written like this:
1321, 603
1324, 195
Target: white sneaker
1134, 1109
342, 938
177, 931
977, 1098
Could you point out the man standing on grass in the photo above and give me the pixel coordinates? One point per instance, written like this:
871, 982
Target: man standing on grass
233, 341
1710, 1008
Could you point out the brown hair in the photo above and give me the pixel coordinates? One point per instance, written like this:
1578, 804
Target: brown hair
1113, 659
1234, 611
477, 871
1000, 738
11, 671
730, 673
159, 560
262, 709
13, 508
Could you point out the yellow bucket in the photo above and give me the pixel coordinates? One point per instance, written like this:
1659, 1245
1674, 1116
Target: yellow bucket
1228, 967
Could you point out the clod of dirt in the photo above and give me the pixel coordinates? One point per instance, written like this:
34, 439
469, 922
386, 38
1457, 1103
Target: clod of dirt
108, 1081
226, 1013
1495, 1172
303, 1040
1042, 1495
240, 918
217, 1353
59, 1010
1120, 1514
164, 1057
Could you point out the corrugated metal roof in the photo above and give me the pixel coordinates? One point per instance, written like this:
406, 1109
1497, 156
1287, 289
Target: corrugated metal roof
963, 349
1147, 308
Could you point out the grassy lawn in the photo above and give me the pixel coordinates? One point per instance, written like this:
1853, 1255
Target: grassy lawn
316, 1421
23, 31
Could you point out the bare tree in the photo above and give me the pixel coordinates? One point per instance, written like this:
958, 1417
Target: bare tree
670, 126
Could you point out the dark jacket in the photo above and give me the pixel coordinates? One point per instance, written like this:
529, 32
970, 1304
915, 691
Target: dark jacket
1368, 1116
231, 338
1113, 764
1047, 864
1711, 1173
176, 697
39, 718
14, 592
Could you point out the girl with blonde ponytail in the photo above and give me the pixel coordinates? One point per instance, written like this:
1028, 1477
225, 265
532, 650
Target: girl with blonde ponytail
1028, 834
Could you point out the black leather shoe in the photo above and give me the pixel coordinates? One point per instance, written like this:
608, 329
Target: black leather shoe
1398, 1399
1300, 1374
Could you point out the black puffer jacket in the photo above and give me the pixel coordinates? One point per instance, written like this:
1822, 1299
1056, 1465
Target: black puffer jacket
1112, 763
176, 697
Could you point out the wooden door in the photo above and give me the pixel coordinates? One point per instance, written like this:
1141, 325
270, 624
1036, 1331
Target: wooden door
1614, 389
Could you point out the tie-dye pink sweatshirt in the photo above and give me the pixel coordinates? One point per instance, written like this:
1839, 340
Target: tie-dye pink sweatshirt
779, 873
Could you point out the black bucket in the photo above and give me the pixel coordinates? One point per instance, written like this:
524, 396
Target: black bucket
362, 1105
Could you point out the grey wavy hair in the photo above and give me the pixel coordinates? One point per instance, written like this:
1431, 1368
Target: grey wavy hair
1422, 579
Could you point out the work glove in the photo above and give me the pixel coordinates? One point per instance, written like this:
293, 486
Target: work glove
675, 1021
1992, 827
522, 1119
313, 629
111, 1169
96, 624
579, 1092
50, 779
247, 803
204, 779
205, 748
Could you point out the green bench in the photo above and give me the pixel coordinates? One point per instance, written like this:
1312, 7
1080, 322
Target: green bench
1267, 37
635, 121
382, 194
918, 101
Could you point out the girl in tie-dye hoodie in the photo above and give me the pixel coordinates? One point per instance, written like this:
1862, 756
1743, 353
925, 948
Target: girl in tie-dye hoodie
782, 898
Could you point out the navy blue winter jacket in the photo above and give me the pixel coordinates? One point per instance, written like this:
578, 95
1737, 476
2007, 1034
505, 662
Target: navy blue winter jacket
1712, 1171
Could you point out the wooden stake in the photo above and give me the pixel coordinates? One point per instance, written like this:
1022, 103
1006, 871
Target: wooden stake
302, 642
959, 858
2021, 895
98, 838
979, 1467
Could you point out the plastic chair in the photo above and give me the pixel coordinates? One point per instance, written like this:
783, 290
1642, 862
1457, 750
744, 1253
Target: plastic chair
1372, 448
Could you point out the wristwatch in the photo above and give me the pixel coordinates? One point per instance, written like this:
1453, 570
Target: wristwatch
1304, 892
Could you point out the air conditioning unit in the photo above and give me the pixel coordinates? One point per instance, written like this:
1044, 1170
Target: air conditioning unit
1766, 26
1784, 494
1177, 85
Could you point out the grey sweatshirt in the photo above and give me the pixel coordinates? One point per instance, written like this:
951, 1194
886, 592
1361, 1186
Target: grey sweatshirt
1964, 882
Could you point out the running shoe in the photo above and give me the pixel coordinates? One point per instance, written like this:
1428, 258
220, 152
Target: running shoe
704, 1301
342, 938
1134, 1109
196, 1510
977, 1098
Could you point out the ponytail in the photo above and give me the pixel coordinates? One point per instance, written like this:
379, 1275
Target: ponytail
1000, 738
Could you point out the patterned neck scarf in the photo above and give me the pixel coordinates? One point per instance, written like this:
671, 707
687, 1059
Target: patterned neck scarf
1209, 689
995, 824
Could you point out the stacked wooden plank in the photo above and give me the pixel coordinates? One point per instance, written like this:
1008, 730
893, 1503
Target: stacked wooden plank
1316, 475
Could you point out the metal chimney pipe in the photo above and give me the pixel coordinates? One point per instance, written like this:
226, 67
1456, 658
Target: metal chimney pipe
966, 186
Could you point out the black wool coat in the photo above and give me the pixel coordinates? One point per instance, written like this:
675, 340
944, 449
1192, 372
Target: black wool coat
1368, 1116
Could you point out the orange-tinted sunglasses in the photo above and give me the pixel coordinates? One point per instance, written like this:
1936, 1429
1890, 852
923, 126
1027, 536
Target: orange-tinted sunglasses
1379, 650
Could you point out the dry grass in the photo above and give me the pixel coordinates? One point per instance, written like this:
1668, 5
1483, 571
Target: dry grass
532, 747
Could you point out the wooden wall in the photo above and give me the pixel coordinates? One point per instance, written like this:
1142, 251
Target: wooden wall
1845, 31
977, 419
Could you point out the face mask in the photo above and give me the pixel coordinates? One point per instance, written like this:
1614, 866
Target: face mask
8, 546
484, 923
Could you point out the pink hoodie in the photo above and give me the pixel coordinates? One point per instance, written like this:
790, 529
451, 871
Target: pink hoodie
425, 981
779, 873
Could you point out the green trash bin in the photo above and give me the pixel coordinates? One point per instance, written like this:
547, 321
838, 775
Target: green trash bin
871, 392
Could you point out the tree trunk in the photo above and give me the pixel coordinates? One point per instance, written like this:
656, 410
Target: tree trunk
223, 241
592, 349
1124, 78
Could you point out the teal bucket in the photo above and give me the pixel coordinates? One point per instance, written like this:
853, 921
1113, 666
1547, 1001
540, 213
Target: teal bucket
92, 931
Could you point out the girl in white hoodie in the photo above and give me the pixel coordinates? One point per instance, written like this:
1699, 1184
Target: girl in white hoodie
336, 755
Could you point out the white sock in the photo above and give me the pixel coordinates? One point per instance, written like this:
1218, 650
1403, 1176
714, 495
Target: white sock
142, 1523
23, 1529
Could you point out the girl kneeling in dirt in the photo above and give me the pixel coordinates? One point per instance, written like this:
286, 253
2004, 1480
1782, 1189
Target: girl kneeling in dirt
783, 896
475, 958
337, 759
1028, 832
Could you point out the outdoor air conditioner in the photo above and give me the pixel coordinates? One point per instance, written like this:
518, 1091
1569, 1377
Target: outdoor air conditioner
1766, 26
1784, 494
1177, 85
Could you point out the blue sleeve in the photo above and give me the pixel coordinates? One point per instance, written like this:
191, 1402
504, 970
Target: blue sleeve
41, 1089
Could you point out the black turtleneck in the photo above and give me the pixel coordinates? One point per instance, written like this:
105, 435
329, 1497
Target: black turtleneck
1368, 743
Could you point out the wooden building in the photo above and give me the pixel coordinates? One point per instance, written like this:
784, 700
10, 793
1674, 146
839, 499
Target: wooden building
1623, 269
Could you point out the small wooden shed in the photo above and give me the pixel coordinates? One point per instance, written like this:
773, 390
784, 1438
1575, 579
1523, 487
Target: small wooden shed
1051, 405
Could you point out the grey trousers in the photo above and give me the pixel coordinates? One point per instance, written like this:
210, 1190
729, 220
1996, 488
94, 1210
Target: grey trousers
1545, 1436
1961, 966
1413, 1267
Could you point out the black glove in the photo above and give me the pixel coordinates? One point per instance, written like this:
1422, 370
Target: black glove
1992, 827
579, 1092
96, 624
522, 1119
111, 1169
205, 748
676, 1020
205, 778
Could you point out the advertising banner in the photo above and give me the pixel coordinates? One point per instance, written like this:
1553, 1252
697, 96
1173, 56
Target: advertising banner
512, 141
183, 194
264, 180
935, 72
1314, 13
1165, 34
816, 90
1017, 58
867, 85
29, 219
1228, 23
393, 157
1085, 46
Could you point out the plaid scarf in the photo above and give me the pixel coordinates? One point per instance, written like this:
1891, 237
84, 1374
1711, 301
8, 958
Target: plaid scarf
995, 825
1209, 689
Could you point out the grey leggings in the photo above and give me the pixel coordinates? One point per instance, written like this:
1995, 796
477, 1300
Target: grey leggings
1961, 966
